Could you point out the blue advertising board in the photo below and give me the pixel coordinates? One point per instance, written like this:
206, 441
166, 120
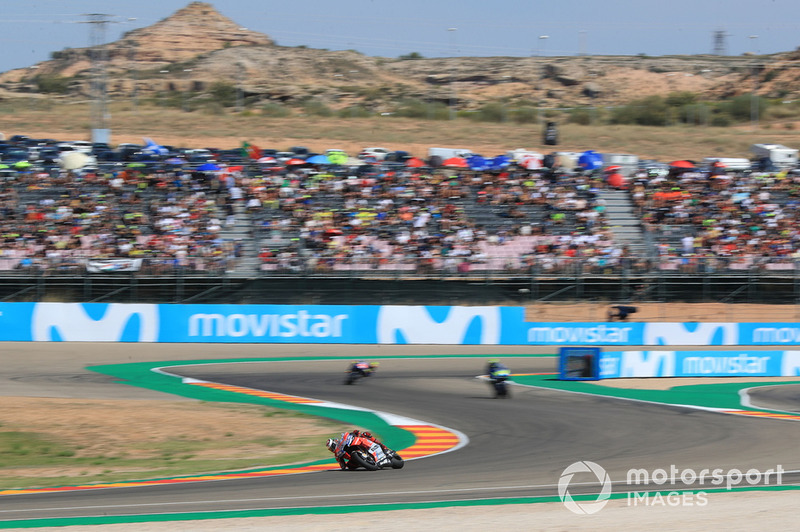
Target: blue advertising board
368, 324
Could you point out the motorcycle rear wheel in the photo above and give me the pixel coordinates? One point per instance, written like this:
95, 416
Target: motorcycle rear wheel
364, 460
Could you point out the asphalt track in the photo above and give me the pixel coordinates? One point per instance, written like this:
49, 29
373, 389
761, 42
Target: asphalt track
785, 397
517, 447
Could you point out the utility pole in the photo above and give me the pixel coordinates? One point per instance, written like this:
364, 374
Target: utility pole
754, 95
453, 88
100, 118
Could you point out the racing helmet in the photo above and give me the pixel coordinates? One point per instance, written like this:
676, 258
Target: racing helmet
330, 444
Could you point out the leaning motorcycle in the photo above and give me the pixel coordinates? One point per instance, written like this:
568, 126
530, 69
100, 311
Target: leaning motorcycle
359, 370
353, 452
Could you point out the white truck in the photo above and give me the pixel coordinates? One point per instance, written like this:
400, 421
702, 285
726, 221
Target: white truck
629, 164
778, 155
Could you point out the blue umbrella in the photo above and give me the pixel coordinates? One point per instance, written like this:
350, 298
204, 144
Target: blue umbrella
501, 161
175, 160
590, 160
476, 162
318, 159
208, 167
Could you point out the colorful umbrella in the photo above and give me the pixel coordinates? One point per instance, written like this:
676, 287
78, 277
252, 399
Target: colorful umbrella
682, 164
207, 167
295, 162
415, 162
267, 160
318, 159
530, 162
456, 162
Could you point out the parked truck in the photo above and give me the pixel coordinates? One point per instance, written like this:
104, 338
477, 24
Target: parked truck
774, 156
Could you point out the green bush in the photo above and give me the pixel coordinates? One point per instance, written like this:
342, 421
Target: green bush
581, 116
315, 107
52, 84
741, 107
525, 115
275, 110
650, 111
223, 93
491, 112
354, 111
414, 108
721, 120
680, 99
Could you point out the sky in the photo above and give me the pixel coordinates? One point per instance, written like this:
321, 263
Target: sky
31, 29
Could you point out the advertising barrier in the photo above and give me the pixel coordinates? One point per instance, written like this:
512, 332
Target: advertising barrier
699, 364
368, 324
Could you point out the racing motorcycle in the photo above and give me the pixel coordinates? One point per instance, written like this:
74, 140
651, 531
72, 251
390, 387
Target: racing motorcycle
499, 377
354, 450
358, 370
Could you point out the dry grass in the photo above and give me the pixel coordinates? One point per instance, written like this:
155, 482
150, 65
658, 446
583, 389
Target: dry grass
196, 129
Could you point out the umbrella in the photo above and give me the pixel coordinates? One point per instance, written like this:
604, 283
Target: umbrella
318, 159
682, 164
267, 160
175, 160
501, 161
73, 160
337, 157
295, 162
590, 160
22, 164
3, 166
456, 162
136, 165
207, 167
415, 162
614, 168
476, 162
616, 180
530, 162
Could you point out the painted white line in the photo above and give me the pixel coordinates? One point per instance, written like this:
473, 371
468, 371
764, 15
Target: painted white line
376, 494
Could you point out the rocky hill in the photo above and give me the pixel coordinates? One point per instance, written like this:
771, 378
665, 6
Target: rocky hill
197, 46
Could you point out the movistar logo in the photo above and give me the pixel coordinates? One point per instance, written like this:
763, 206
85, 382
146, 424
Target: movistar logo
94, 322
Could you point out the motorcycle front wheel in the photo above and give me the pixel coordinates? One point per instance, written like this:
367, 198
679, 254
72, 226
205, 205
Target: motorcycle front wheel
397, 462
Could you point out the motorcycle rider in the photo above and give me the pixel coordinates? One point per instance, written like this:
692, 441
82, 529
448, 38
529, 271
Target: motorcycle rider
332, 444
497, 372
363, 367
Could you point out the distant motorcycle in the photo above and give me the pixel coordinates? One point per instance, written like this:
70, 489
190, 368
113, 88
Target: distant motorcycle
499, 376
354, 450
358, 370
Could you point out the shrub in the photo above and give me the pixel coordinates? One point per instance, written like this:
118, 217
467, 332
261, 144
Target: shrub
315, 107
650, 111
52, 84
223, 93
275, 110
525, 115
582, 116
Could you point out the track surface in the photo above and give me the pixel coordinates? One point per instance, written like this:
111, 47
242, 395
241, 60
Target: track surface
518, 447
785, 397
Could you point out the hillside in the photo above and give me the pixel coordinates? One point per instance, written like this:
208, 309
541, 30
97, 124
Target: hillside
198, 46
